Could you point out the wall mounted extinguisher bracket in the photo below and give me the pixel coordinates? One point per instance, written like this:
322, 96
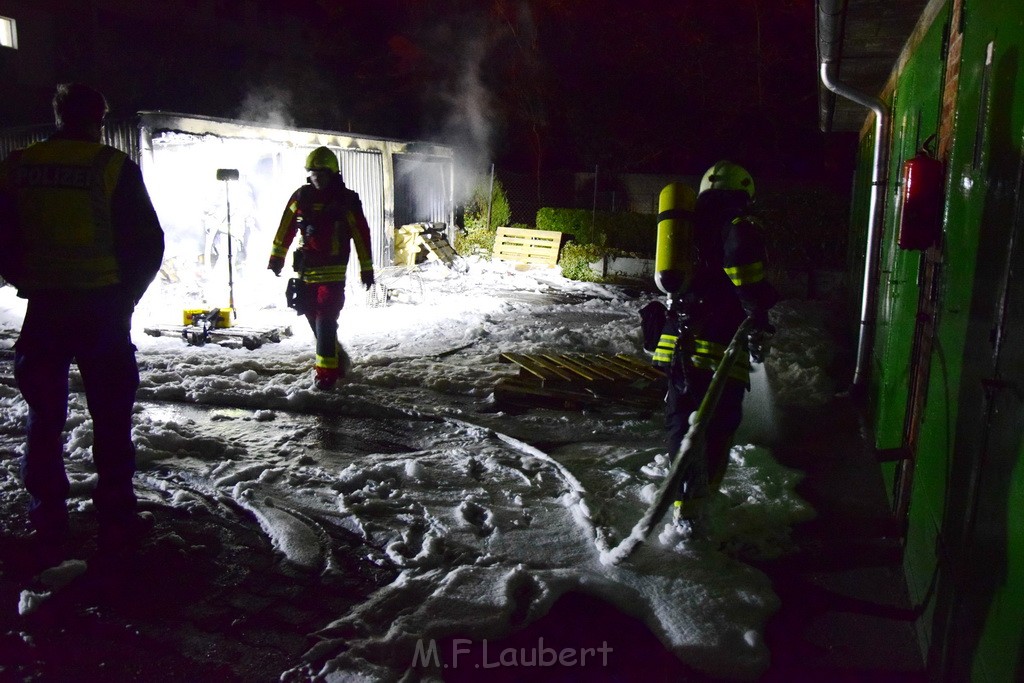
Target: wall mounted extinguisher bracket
922, 199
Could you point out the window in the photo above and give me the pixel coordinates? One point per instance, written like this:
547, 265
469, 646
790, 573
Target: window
8, 33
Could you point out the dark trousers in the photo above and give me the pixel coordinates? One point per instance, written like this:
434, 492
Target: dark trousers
94, 330
326, 301
686, 390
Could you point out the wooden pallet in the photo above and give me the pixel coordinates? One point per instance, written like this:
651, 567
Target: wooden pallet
438, 249
524, 245
419, 242
573, 381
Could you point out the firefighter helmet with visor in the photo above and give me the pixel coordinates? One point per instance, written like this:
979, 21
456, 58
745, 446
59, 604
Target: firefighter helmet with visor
726, 175
322, 158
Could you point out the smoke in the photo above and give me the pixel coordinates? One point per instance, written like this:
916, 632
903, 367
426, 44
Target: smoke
474, 58
459, 105
268, 105
471, 118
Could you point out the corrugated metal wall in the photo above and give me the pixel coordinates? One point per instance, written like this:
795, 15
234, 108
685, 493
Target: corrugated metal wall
123, 135
435, 205
17, 138
978, 479
364, 174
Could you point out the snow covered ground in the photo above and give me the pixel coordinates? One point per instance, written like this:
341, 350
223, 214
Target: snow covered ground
488, 515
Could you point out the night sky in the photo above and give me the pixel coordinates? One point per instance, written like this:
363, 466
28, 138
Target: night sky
642, 86
655, 86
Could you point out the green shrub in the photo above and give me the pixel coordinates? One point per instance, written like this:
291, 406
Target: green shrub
576, 258
477, 237
632, 232
574, 222
473, 241
476, 207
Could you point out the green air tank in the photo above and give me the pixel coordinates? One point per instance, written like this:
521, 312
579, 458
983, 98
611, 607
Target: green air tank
673, 259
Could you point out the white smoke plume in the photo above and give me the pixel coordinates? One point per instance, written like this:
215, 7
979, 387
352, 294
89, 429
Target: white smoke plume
464, 48
269, 105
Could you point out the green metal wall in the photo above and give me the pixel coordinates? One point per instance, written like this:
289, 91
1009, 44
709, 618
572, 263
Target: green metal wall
978, 621
965, 543
915, 117
914, 114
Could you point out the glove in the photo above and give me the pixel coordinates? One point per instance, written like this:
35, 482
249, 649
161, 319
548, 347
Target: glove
276, 264
367, 277
759, 342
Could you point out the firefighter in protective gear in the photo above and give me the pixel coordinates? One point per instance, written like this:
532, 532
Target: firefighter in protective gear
79, 238
329, 217
727, 286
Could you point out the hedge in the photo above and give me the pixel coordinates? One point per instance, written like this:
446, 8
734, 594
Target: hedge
631, 232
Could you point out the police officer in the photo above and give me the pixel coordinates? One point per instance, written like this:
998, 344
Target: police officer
330, 218
727, 286
81, 241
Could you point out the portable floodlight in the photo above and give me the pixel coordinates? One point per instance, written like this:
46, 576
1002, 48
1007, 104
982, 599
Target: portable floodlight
227, 175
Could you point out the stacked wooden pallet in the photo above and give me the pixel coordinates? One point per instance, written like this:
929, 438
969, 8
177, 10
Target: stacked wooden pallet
438, 248
573, 381
418, 242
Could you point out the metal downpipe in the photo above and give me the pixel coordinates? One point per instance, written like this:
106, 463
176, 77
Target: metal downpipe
830, 13
874, 236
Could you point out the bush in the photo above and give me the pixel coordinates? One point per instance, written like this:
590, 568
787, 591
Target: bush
575, 261
632, 232
574, 222
477, 237
472, 241
476, 207
576, 258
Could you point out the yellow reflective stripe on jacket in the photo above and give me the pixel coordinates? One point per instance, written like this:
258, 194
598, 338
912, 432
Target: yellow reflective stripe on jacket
281, 237
63, 190
746, 274
740, 371
708, 354
336, 238
324, 274
666, 346
708, 348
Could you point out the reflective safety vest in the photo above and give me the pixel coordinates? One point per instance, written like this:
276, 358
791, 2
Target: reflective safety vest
63, 191
337, 221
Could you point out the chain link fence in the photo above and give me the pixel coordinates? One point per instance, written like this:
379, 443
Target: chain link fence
527, 193
568, 190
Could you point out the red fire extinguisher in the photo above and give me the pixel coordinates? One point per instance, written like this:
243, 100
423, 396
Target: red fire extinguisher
921, 218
